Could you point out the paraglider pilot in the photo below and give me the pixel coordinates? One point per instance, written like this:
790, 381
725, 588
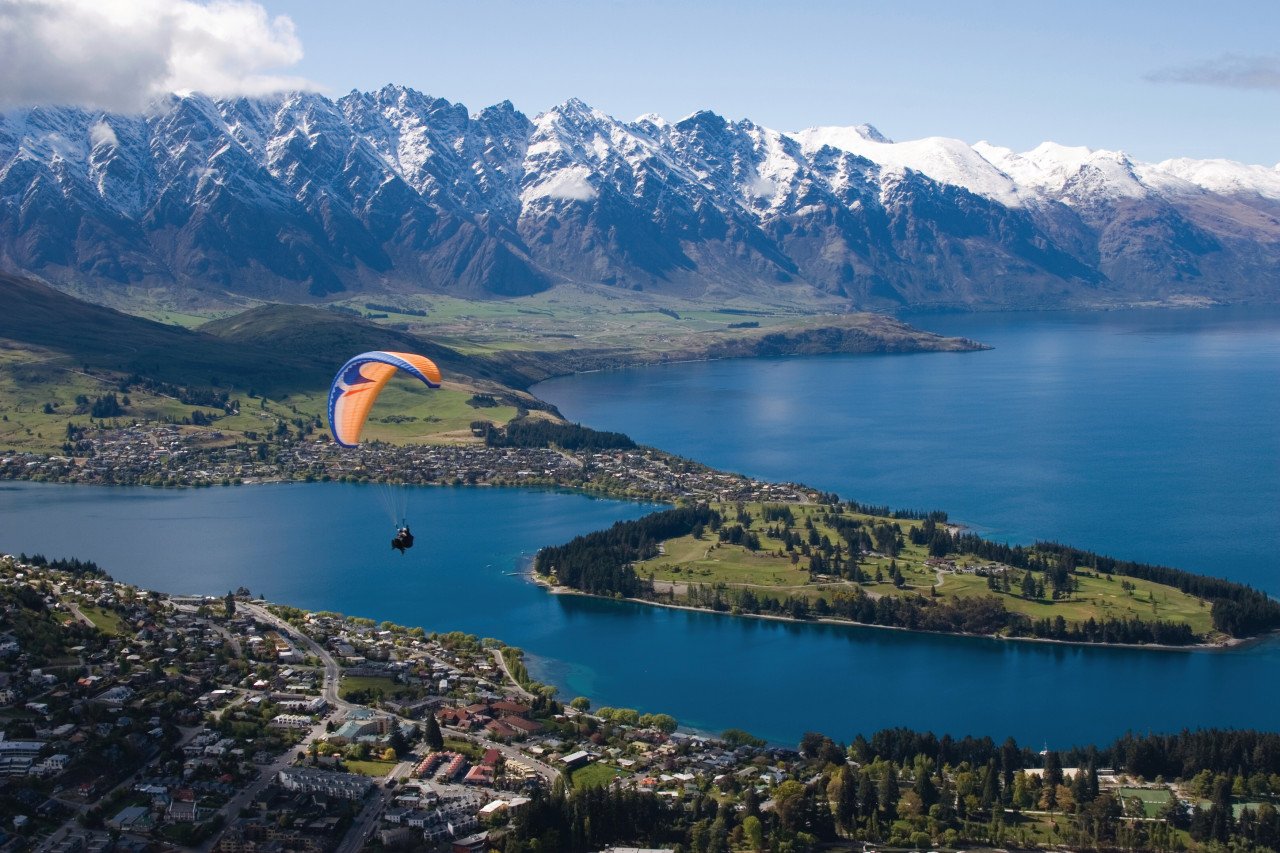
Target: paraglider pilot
354, 390
403, 540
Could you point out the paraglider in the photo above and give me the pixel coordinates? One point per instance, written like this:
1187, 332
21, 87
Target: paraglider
360, 381
354, 391
403, 540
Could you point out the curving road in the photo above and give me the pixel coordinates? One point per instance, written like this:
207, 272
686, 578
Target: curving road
332, 672
511, 679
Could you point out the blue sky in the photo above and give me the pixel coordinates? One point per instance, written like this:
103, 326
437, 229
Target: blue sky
1121, 74
1156, 79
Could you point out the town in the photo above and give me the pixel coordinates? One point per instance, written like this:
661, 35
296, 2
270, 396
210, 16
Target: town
169, 455
134, 720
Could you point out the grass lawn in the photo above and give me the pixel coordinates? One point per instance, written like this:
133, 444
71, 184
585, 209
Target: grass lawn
594, 775
1152, 798
106, 621
370, 768
686, 560
352, 683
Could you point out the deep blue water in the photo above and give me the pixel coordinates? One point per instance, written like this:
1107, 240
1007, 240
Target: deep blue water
1151, 436
318, 546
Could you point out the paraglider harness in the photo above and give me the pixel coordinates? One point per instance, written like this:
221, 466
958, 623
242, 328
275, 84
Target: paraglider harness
403, 540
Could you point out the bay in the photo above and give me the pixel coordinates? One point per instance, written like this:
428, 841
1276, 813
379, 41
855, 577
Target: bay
318, 546
321, 546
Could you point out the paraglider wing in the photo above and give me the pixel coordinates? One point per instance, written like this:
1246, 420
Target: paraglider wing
359, 382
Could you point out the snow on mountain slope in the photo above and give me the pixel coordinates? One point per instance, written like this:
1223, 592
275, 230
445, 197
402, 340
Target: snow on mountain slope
947, 161
1224, 177
299, 196
1073, 173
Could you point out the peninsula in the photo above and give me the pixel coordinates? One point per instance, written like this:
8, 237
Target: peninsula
842, 561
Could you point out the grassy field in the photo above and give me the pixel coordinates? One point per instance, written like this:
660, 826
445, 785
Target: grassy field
409, 412
578, 316
106, 621
594, 775
38, 400
1152, 798
464, 747
1098, 598
356, 683
370, 768
39, 391
687, 560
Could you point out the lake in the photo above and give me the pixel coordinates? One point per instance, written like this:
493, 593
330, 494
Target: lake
1150, 436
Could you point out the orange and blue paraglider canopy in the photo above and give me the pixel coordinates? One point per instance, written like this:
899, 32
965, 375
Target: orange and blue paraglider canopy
359, 382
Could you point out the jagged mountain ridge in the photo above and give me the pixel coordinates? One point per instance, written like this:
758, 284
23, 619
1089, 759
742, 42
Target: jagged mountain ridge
298, 197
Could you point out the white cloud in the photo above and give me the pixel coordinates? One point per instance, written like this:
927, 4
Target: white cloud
1230, 71
120, 54
571, 184
102, 134
762, 187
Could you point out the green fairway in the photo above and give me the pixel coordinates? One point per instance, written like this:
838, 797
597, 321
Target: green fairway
1097, 598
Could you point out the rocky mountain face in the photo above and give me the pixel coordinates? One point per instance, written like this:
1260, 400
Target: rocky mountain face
298, 197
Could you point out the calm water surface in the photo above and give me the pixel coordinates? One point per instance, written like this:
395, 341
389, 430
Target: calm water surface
1151, 436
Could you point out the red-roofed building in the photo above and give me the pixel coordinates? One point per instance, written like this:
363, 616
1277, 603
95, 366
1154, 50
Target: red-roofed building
512, 708
526, 726
479, 775
497, 728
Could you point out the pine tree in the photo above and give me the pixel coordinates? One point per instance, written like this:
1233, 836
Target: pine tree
847, 801
887, 792
868, 804
433, 736
396, 741
990, 786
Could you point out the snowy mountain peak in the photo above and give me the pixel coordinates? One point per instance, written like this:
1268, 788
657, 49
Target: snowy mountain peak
947, 161
396, 189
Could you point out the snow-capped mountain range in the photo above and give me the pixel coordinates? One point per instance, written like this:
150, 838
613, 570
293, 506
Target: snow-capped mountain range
296, 197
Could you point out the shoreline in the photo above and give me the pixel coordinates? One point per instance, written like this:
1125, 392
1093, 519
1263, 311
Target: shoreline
1230, 645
